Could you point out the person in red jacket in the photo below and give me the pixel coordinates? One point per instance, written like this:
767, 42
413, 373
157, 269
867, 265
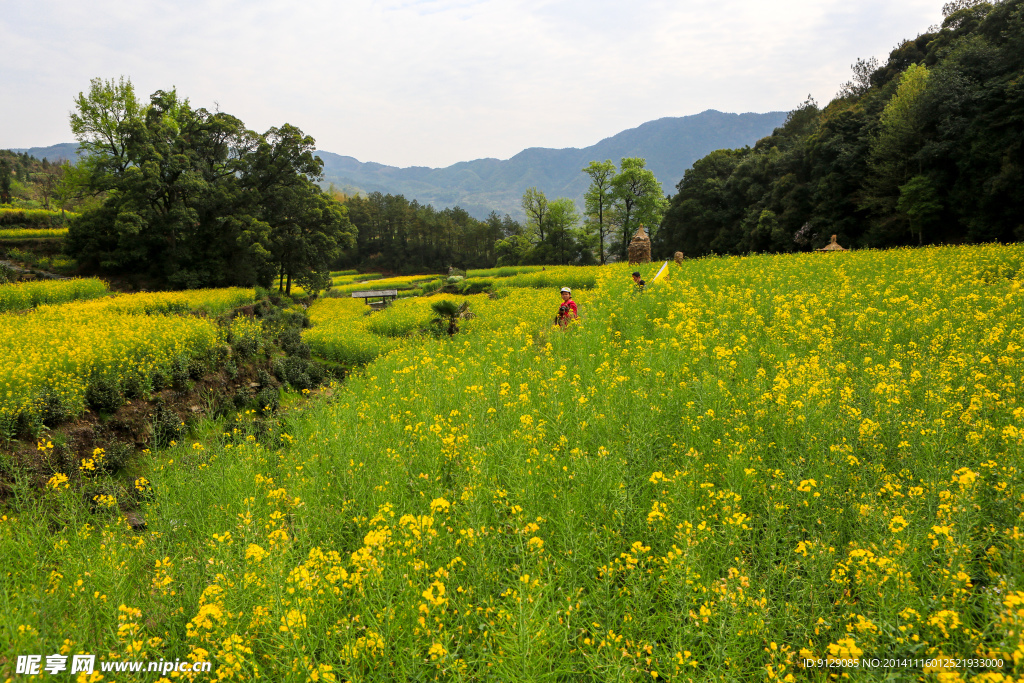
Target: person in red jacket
567, 311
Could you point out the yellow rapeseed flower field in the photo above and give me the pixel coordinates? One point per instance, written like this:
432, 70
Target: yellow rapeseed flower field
31, 233
125, 342
210, 301
25, 295
760, 468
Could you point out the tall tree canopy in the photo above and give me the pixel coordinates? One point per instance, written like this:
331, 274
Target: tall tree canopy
194, 199
554, 234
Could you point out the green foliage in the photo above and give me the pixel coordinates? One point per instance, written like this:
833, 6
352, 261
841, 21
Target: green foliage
167, 427
291, 342
449, 314
893, 151
103, 123
307, 229
920, 203
513, 250
403, 236
637, 200
922, 149
103, 394
300, 373
553, 234
29, 183
195, 199
535, 206
599, 201
6, 183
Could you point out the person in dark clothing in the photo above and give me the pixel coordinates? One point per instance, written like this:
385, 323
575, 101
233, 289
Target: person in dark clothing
640, 284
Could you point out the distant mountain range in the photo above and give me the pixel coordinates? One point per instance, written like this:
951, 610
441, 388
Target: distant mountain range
670, 146
65, 151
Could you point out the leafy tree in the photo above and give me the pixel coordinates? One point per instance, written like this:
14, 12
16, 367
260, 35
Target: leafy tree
305, 230
704, 204
48, 180
892, 158
196, 200
568, 242
535, 205
638, 200
102, 123
563, 220
5, 182
512, 251
861, 81
920, 203
599, 200
926, 148
401, 235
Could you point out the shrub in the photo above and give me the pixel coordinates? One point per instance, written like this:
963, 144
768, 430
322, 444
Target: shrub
103, 394
292, 344
269, 399
245, 336
167, 427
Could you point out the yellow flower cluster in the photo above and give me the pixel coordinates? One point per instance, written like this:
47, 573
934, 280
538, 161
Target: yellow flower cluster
30, 233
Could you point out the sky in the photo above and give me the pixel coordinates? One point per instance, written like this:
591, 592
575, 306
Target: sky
434, 82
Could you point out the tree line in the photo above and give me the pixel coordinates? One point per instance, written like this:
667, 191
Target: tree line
616, 204
182, 197
926, 148
397, 234
401, 235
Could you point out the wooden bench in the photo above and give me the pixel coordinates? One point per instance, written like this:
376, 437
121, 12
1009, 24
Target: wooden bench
386, 296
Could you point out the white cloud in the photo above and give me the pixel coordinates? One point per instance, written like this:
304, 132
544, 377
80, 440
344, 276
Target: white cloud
432, 82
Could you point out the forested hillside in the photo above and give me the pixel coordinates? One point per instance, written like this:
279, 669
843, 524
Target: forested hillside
30, 182
926, 148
